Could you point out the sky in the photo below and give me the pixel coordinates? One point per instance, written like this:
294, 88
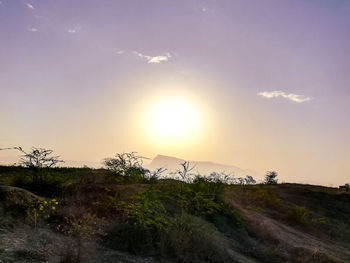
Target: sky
263, 85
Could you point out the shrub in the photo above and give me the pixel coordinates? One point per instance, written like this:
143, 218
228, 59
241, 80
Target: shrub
263, 196
38, 158
129, 167
270, 178
297, 215
111, 204
123, 162
346, 187
81, 229
208, 186
147, 210
133, 238
191, 239
43, 209
204, 196
201, 197
146, 219
50, 183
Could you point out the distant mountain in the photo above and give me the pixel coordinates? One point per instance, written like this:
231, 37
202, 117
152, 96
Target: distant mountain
204, 168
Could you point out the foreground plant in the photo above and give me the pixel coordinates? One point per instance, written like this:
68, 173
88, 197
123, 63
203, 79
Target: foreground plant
43, 208
82, 228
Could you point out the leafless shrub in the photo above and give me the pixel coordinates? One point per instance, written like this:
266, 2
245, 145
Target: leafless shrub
124, 161
37, 157
185, 172
154, 175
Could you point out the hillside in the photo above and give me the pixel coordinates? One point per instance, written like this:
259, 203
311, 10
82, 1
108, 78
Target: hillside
87, 215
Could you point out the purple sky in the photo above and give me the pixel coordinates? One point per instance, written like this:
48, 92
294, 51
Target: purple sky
275, 76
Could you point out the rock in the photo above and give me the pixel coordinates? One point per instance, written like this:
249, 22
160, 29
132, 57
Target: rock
13, 200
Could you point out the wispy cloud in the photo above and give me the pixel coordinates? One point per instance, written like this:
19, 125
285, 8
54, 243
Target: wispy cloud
154, 60
118, 51
290, 96
33, 29
74, 30
207, 9
30, 5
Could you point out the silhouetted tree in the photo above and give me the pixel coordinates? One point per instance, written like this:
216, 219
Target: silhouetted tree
128, 165
270, 178
123, 162
249, 180
38, 158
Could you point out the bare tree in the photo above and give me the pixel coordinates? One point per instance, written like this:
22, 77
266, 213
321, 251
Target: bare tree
9, 148
153, 175
185, 171
37, 157
122, 162
36, 160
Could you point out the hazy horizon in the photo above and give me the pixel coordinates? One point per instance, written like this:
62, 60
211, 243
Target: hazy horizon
262, 85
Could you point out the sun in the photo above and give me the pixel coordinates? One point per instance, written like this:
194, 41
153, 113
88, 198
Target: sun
173, 120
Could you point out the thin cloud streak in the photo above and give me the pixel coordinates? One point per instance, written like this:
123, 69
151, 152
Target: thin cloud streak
33, 29
154, 60
30, 6
292, 97
118, 51
74, 30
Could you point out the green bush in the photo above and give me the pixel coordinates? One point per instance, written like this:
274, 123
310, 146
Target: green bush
133, 238
189, 238
146, 219
201, 197
50, 184
147, 210
263, 196
297, 215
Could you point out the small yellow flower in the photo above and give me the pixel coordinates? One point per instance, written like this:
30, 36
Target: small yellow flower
56, 203
41, 208
45, 202
53, 200
53, 208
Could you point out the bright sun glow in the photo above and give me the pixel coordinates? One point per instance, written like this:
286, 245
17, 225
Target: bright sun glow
173, 120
